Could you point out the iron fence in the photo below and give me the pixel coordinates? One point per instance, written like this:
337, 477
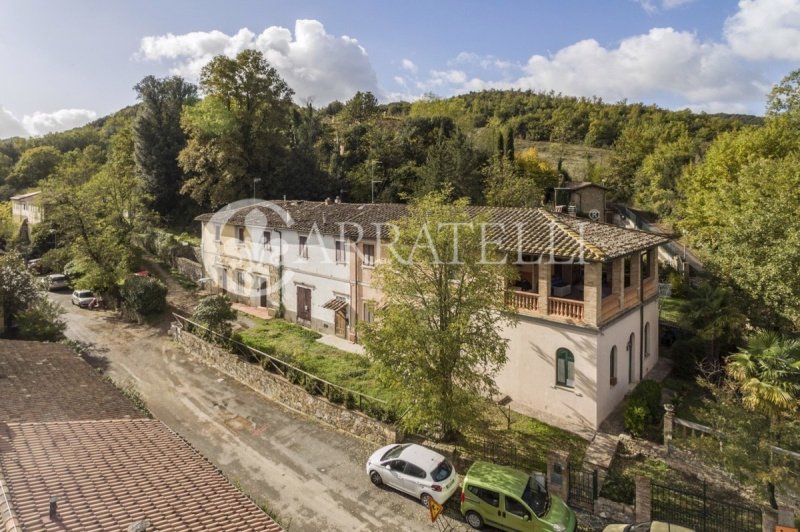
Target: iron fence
582, 488
698, 511
314, 385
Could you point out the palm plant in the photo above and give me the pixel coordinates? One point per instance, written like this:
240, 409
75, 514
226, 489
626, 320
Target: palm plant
767, 373
712, 312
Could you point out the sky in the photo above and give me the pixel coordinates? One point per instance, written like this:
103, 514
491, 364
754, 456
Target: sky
63, 64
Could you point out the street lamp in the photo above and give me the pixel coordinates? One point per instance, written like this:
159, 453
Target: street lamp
255, 180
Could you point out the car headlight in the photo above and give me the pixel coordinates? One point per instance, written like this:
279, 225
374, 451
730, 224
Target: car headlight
558, 528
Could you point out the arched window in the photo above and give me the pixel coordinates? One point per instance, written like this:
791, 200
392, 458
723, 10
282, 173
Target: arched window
565, 368
647, 339
630, 350
612, 360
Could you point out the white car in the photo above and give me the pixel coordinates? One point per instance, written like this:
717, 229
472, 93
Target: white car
82, 298
57, 281
414, 469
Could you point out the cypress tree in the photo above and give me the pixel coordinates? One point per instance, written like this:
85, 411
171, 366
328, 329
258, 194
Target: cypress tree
509, 148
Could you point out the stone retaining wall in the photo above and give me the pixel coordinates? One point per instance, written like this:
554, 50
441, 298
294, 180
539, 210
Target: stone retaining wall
191, 269
280, 390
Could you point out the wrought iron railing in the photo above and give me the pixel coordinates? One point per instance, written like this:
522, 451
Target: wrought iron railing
698, 511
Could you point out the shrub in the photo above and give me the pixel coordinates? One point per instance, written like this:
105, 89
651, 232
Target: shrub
144, 295
677, 283
41, 322
648, 393
215, 313
636, 416
686, 355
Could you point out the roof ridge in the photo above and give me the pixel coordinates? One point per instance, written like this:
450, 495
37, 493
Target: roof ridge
599, 253
76, 421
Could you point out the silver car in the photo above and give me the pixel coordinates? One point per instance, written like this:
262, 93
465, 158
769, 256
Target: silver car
57, 281
416, 470
82, 298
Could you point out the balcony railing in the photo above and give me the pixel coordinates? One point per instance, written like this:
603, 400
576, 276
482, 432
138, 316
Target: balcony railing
566, 308
522, 300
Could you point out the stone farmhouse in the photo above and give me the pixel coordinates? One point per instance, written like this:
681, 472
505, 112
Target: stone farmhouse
587, 294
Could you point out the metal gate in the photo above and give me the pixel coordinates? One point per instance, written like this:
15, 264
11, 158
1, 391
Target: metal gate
697, 511
582, 488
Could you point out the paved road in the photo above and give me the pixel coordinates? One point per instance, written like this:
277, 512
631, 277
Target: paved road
311, 475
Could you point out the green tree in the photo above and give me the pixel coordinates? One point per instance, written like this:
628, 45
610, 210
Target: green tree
657, 178
509, 146
238, 132
712, 312
158, 137
215, 313
767, 373
41, 321
436, 345
361, 107
451, 161
19, 289
785, 96
33, 166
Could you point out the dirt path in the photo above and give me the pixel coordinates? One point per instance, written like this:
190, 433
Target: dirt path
312, 476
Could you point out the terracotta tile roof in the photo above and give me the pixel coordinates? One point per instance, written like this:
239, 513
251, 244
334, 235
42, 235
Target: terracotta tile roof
49, 382
577, 185
109, 474
527, 230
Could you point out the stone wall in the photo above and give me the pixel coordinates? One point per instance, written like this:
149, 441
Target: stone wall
191, 269
278, 389
616, 512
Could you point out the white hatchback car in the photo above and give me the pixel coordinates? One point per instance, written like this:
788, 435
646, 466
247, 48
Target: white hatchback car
414, 469
82, 298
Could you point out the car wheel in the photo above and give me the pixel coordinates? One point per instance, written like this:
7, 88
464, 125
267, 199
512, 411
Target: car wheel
376, 479
425, 499
474, 520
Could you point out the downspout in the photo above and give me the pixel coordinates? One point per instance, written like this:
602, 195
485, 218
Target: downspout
641, 319
356, 294
279, 313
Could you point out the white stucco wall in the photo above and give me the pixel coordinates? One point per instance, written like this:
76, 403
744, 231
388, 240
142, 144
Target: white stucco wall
529, 377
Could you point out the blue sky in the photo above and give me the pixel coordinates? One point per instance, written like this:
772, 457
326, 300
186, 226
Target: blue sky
63, 63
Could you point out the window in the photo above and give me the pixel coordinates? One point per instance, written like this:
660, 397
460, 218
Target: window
397, 465
645, 264
369, 311
442, 471
240, 279
217, 232
341, 254
240, 234
369, 255
647, 339
565, 368
629, 348
487, 496
612, 360
513, 506
303, 251
414, 471
266, 238
627, 271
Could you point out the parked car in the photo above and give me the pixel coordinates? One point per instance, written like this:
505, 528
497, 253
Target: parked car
57, 281
509, 499
653, 526
82, 298
413, 469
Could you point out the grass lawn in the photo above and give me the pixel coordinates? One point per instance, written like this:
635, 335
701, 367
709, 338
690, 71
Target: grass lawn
298, 346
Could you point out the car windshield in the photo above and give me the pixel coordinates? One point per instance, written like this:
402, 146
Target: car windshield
57, 277
536, 498
394, 452
85, 293
442, 471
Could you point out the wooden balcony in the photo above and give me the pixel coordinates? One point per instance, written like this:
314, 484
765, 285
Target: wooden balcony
610, 306
527, 301
650, 287
565, 308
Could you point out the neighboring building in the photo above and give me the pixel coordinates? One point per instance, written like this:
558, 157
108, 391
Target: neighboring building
582, 198
26, 211
588, 325
76, 455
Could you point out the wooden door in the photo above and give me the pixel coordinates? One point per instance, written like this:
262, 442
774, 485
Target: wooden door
262, 292
303, 303
340, 324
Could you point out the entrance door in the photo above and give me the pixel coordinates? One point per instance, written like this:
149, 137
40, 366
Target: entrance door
340, 324
262, 292
223, 273
303, 303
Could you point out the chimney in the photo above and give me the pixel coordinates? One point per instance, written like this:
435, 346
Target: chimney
337, 200
139, 526
323, 218
327, 201
53, 507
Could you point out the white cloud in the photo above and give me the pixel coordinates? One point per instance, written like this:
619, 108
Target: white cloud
317, 65
765, 29
652, 7
409, 65
486, 62
40, 123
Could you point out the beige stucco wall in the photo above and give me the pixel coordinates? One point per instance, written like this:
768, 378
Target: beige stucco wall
588, 198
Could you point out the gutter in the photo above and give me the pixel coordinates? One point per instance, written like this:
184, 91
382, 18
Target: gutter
280, 272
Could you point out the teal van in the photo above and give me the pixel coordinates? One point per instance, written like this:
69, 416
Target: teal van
509, 499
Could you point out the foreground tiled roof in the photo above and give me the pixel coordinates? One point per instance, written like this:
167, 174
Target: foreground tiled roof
527, 230
49, 382
110, 474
